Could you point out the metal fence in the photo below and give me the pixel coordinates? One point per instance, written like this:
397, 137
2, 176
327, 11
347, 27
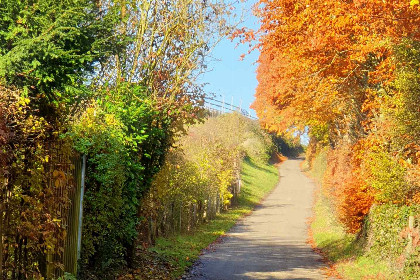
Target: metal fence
218, 107
20, 252
71, 170
73, 225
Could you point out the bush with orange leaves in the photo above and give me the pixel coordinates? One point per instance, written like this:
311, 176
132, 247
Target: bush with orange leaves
344, 182
366, 173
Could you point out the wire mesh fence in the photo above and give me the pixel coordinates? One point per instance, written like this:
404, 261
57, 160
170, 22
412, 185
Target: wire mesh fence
45, 244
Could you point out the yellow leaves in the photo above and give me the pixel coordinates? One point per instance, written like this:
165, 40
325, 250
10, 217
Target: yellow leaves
403, 163
414, 2
23, 102
59, 178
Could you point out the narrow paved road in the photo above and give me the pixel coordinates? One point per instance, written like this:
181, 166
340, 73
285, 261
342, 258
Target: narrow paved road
271, 242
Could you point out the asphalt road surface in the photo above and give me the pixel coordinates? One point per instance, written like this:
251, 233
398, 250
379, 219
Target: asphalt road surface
271, 242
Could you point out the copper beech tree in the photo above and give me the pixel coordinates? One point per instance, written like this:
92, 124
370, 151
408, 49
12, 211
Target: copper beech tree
348, 71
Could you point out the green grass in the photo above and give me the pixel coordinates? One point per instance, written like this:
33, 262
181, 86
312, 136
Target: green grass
329, 235
319, 165
344, 250
183, 249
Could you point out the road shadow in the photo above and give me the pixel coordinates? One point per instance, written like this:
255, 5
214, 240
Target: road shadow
236, 257
255, 166
270, 243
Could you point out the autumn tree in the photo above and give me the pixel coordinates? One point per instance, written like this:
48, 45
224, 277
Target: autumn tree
315, 56
168, 43
339, 68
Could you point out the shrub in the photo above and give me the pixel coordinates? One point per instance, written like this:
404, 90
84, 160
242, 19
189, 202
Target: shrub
388, 178
344, 181
34, 186
200, 176
125, 141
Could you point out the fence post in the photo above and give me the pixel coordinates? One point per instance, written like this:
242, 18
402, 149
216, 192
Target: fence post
218, 206
50, 263
208, 208
180, 217
82, 191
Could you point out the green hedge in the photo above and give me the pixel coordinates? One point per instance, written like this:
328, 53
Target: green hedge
386, 239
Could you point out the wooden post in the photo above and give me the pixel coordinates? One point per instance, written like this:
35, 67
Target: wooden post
73, 242
173, 222
208, 208
72, 230
217, 203
50, 264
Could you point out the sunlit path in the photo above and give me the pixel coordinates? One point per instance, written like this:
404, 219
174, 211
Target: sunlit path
271, 242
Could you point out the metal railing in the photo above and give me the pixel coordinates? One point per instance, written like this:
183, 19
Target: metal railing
221, 107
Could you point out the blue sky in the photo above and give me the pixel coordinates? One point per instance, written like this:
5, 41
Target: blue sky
228, 76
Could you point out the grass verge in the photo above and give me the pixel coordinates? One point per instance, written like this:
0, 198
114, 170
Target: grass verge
183, 249
345, 252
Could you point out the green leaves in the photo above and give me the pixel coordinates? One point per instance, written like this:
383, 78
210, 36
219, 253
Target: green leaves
125, 145
50, 49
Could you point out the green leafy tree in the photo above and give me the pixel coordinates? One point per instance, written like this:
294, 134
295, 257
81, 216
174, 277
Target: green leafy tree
48, 47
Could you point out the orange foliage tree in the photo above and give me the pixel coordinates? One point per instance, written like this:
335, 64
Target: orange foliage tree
349, 72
